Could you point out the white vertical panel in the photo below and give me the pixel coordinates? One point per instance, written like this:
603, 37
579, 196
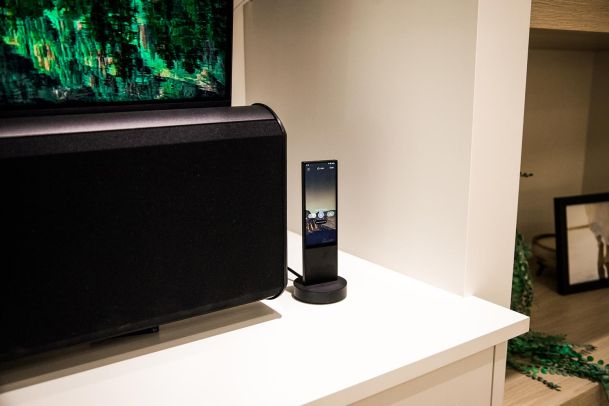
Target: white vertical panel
501, 60
499, 364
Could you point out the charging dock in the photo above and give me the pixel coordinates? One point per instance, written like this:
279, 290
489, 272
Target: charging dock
320, 293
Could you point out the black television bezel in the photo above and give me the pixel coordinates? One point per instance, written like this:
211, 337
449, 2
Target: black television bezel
16, 110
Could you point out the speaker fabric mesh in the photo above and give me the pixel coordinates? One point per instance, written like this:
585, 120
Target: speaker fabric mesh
105, 241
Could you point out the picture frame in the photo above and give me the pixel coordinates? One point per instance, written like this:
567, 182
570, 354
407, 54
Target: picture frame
582, 242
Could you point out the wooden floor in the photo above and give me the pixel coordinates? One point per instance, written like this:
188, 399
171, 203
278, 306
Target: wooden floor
584, 318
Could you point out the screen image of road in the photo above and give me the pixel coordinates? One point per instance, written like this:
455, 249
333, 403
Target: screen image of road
320, 203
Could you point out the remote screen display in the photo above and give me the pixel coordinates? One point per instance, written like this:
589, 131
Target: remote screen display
320, 209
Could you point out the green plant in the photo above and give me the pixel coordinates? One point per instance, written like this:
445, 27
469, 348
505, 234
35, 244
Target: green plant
536, 354
522, 284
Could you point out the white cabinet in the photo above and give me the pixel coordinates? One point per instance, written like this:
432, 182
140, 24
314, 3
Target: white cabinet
422, 104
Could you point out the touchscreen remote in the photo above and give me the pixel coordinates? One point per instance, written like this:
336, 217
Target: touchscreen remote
320, 220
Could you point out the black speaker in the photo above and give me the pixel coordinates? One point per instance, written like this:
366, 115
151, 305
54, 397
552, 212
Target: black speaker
117, 222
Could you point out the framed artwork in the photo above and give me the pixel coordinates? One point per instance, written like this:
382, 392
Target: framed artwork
582, 242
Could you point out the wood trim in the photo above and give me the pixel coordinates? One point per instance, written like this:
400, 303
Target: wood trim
575, 15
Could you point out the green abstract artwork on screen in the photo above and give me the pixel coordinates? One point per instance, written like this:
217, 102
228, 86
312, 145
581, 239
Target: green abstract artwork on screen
84, 52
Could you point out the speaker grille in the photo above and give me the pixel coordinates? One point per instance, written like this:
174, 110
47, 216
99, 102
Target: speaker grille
103, 241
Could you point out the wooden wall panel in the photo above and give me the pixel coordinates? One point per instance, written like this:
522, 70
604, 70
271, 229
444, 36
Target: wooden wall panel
577, 15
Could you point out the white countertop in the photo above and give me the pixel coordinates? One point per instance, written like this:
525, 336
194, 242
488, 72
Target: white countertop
389, 329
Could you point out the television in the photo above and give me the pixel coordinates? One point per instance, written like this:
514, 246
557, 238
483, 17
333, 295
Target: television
67, 56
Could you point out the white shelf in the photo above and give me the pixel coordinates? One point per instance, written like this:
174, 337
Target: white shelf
389, 329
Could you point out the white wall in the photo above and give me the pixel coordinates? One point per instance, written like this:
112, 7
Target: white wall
399, 91
387, 89
238, 74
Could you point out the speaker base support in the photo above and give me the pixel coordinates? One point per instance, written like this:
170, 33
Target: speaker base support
320, 293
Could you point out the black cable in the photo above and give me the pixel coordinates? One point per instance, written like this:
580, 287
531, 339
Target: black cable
294, 272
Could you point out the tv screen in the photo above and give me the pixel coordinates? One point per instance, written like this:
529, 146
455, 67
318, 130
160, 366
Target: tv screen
102, 53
